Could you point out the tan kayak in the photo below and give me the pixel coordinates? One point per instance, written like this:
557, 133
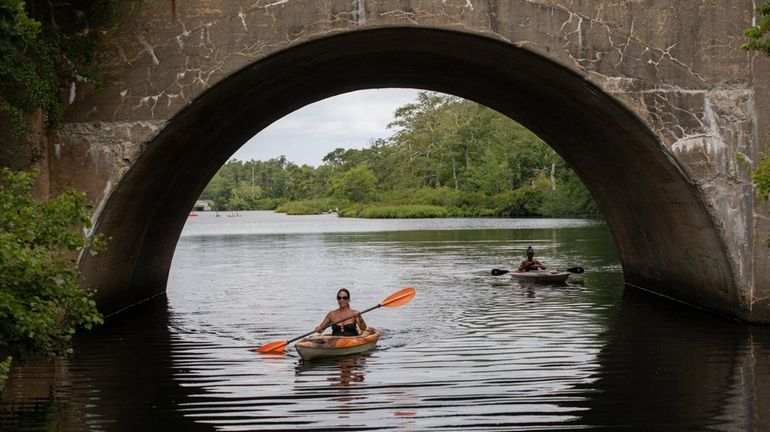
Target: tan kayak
322, 346
541, 276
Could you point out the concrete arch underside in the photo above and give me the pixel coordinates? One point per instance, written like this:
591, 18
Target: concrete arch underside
667, 240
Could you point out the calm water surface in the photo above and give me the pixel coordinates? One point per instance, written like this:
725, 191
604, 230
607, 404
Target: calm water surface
470, 352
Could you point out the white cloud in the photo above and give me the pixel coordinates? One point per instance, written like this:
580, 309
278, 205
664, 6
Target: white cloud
350, 120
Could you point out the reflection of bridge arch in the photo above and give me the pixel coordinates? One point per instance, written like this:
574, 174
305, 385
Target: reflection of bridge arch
666, 238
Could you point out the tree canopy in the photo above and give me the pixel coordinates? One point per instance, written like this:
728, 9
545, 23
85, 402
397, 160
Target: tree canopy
450, 156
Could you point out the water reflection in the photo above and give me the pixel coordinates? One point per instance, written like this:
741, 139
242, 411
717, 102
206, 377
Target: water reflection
670, 367
340, 371
470, 352
121, 378
531, 288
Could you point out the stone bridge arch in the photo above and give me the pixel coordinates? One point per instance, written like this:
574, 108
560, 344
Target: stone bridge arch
654, 136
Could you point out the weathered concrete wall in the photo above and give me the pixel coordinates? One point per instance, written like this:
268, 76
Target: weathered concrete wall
29, 155
680, 103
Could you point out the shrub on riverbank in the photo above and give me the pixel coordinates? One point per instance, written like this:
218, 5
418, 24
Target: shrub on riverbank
308, 207
41, 300
394, 211
522, 202
267, 204
411, 211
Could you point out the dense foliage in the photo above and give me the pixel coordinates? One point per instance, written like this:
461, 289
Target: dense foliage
759, 35
28, 78
447, 157
41, 300
44, 48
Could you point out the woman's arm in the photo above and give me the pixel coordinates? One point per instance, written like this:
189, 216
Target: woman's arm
327, 320
361, 324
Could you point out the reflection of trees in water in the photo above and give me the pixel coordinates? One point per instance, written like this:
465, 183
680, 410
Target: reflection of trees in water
121, 377
673, 367
351, 370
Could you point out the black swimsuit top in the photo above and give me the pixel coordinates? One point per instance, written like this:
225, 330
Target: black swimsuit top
346, 330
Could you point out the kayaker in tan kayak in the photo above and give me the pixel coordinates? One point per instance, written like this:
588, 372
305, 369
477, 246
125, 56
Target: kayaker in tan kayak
352, 323
530, 263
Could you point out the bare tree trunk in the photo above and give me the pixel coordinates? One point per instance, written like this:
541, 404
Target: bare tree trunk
553, 176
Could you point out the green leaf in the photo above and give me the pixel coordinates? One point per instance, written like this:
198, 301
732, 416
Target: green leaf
41, 301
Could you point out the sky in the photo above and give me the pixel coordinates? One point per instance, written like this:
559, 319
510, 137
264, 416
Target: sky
350, 120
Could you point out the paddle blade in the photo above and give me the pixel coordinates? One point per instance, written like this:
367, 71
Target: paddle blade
498, 272
272, 348
399, 298
577, 270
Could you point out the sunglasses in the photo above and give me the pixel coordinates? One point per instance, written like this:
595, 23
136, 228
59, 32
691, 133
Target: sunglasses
342, 298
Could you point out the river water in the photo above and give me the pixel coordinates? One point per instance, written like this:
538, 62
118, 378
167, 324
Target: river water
470, 352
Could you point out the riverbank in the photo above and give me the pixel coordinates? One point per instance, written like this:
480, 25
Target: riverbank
441, 203
386, 211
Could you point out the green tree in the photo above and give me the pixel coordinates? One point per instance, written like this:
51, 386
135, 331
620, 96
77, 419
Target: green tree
522, 202
41, 300
445, 152
218, 191
450, 141
570, 199
244, 197
355, 185
422, 137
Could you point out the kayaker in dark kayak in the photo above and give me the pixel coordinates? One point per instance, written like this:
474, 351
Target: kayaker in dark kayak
530, 263
351, 323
